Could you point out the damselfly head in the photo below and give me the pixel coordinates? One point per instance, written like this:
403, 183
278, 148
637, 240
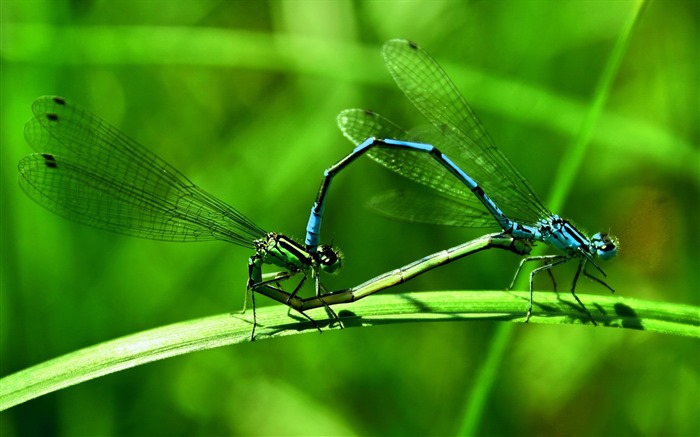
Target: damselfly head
605, 246
329, 258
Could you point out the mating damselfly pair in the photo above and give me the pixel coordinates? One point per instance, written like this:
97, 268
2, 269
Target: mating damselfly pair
90, 172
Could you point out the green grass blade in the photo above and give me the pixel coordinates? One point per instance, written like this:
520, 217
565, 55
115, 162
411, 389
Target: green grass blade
439, 306
575, 154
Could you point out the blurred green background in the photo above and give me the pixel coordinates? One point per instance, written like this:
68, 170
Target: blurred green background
242, 97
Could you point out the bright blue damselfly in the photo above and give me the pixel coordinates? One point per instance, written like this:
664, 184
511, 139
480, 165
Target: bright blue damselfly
458, 142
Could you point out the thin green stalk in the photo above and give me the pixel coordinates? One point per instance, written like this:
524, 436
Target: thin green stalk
573, 159
274, 321
476, 401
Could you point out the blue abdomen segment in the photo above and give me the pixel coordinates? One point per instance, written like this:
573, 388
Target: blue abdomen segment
313, 228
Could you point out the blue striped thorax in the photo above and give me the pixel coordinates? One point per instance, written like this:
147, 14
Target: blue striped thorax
563, 235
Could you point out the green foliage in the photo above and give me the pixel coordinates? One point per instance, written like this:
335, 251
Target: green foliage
242, 97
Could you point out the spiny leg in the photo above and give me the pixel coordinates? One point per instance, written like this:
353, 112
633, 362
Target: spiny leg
581, 265
245, 300
255, 319
294, 293
308, 318
598, 280
254, 271
296, 290
554, 282
330, 311
275, 277
289, 300
545, 258
548, 266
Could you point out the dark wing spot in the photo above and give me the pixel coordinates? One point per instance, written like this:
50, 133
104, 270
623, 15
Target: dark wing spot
59, 101
413, 45
49, 160
52, 117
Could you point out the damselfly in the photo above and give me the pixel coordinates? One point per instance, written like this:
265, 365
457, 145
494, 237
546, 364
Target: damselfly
92, 173
475, 167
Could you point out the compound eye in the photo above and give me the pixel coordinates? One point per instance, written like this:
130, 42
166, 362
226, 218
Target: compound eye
329, 259
606, 247
607, 251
